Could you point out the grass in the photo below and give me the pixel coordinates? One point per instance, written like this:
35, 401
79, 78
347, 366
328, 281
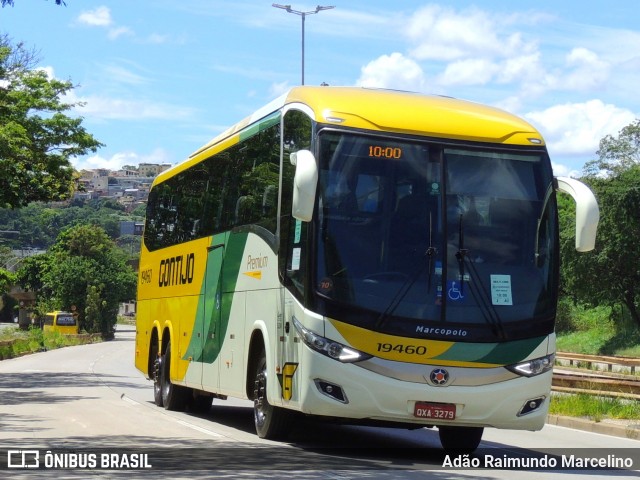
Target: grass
593, 407
15, 342
596, 331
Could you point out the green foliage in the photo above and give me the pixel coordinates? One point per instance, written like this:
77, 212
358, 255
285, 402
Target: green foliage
39, 224
84, 269
14, 342
594, 408
610, 275
95, 320
617, 154
37, 139
6, 280
10, 2
600, 330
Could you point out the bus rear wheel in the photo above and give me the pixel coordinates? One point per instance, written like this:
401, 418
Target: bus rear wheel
173, 396
157, 381
271, 422
460, 439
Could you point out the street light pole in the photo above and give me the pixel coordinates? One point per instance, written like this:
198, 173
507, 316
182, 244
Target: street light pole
303, 15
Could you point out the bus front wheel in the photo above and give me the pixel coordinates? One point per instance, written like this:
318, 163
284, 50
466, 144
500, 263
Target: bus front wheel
460, 439
271, 422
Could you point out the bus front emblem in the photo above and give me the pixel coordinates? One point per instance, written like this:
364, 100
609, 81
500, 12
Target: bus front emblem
439, 377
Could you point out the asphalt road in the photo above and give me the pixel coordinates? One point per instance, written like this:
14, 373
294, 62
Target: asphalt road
80, 403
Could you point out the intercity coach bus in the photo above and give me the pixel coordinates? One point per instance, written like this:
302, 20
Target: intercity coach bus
364, 256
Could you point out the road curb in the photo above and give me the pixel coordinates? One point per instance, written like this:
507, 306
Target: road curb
605, 427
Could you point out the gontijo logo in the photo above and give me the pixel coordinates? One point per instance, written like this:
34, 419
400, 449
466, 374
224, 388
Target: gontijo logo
176, 270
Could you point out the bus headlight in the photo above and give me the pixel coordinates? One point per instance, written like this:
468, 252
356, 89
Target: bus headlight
534, 367
327, 347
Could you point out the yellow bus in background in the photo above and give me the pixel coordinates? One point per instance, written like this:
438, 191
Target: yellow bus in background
63, 322
368, 256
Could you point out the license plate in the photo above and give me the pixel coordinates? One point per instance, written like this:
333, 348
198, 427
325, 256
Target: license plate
435, 411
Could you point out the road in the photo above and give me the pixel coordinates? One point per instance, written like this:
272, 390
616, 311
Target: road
89, 400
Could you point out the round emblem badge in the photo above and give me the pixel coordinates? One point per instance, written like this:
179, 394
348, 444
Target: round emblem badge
439, 376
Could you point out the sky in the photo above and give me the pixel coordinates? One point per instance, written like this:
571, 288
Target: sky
159, 78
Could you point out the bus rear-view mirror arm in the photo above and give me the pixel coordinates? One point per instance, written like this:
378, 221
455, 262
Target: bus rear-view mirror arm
587, 212
305, 183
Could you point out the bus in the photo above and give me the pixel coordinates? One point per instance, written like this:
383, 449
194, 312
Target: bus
359, 255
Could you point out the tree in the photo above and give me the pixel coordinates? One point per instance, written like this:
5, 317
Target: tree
6, 280
10, 2
37, 139
617, 154
611, 274
84, 269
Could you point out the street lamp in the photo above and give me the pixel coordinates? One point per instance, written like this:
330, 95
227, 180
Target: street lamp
288, 8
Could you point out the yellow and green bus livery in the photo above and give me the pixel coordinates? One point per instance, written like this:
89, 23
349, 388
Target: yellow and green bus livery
366, 255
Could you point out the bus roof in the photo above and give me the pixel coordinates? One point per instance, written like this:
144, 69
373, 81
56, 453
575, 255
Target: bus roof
390, 111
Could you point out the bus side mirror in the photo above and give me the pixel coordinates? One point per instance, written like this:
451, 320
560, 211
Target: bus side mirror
305, 183
587, 212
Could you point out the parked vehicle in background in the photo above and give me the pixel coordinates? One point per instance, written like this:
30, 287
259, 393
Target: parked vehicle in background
63, 322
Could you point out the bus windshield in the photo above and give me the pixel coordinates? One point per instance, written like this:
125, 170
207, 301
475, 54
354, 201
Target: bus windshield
439, 241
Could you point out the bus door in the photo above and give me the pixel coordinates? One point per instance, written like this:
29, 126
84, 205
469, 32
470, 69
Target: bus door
287, 350
210, 334
296, 251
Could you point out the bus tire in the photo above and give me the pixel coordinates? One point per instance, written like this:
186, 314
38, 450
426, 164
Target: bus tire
460, 439
157, 381
271, 422
173, 396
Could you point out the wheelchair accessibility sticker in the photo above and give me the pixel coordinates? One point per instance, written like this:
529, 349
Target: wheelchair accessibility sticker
456, 291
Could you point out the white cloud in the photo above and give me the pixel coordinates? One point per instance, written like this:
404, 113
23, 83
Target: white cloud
441, 33
560, 170
105, 108
118, 160
521, 67
117, 32
277, 89
119, 74
577, 128
586, 71
393, 71
473, 71
100, 17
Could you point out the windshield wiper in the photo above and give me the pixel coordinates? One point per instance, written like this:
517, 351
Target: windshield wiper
431, 251
405, 288
461, 254
480, 294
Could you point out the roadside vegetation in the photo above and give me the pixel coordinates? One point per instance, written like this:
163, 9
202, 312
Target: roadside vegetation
601, 330
15, 342
594, 408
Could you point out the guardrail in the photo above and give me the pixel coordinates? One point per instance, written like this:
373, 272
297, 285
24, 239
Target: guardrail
614, 376
590, 360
